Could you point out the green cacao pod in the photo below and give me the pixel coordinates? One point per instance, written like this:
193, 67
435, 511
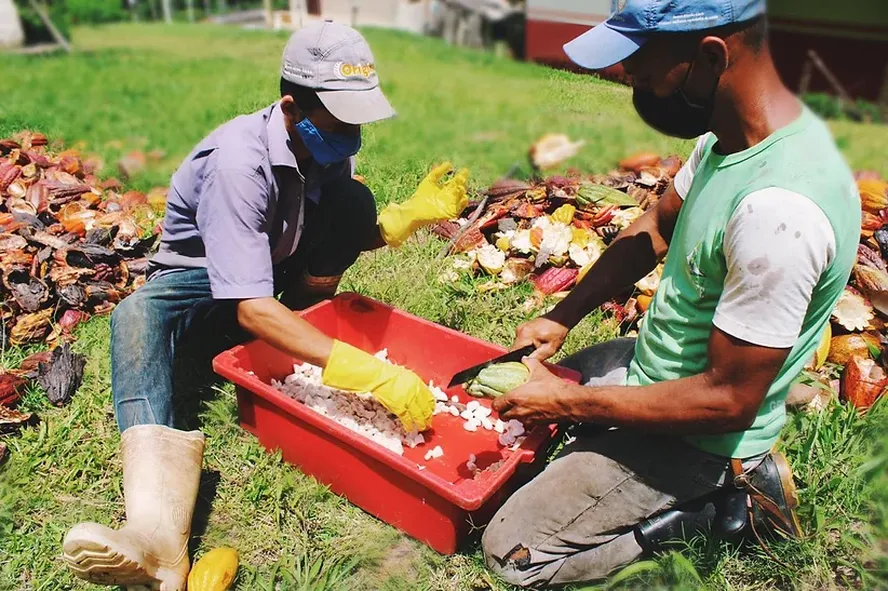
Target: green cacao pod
590, 195
496, 380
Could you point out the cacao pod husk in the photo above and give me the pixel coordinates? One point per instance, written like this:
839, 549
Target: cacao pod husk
863, 382
843, 348
873, 194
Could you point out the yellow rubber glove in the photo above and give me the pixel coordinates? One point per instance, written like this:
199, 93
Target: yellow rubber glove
429, 204
398, 389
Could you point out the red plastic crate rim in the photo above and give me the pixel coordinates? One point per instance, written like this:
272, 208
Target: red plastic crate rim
435, 353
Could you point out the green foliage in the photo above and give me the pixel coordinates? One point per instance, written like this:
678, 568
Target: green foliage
96, 11
830, 107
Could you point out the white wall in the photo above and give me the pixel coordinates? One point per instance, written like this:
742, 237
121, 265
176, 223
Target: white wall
401, 14
582, 12
11, 34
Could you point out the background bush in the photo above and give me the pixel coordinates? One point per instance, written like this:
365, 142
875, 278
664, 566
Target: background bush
96, 11
829, 107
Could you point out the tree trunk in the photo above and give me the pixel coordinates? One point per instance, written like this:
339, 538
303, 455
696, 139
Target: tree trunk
189, 7
167, 11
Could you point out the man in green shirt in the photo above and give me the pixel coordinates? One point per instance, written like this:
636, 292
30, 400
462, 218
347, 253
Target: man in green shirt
761, 228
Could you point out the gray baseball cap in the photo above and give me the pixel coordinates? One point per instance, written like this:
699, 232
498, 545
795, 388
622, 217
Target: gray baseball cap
336, 61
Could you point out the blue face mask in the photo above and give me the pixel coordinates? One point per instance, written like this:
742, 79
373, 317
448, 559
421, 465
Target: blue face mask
327, 147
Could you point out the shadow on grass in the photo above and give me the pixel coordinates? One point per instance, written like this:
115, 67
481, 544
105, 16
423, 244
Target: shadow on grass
206, 493
194, 383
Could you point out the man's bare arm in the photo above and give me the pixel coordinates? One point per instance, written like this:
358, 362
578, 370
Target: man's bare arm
633, 254
724, 398
269, 320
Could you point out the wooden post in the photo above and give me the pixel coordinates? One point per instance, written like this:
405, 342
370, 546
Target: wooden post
805, 80
267, 6
59, 38
883, 96
296, 13
844, 98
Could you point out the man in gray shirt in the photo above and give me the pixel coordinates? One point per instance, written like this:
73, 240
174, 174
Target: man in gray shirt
263, 217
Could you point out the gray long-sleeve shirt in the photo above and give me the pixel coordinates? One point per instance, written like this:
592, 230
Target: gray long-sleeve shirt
235, 205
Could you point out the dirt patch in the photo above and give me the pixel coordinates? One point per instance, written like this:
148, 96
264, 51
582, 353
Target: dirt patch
400, 561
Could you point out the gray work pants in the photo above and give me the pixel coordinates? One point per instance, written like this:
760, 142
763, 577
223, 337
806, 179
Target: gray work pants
574, 522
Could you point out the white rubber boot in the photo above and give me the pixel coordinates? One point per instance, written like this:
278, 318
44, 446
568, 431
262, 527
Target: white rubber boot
161, 474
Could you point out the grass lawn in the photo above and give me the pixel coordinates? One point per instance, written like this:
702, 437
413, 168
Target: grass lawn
164, 88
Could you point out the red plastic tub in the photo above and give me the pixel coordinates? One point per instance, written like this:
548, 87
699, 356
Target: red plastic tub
436, 501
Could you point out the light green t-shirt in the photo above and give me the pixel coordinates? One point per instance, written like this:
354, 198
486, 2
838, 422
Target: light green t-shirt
768, 272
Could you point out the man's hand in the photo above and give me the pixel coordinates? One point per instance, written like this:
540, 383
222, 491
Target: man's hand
431, 203
544, 334
398, 389
544, 398
442, 202
724, 398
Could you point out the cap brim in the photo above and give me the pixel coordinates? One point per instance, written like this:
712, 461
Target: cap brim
357, 107
602, 47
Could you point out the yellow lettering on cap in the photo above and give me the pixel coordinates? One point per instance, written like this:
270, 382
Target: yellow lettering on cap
344, 70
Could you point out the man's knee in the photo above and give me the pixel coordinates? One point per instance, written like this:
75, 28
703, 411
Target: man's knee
125, 311
129, 316
604, 364
355, 206
509, 559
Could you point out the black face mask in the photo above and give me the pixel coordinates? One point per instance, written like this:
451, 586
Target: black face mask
675, 115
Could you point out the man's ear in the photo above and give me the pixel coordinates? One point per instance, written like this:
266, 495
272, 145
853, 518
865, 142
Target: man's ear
288, 105
715, 50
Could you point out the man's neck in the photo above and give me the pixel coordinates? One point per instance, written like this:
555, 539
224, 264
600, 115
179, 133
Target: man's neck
755, 105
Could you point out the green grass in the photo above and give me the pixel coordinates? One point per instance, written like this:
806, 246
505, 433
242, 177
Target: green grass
155, 87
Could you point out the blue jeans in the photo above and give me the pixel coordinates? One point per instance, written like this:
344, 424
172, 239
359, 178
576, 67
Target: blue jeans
174, 313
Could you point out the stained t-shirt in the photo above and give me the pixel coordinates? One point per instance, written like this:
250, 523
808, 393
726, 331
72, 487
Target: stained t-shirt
762, 249
235, 205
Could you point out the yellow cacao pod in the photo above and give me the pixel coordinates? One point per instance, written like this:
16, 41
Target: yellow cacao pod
822, 351
873, 194
564, 214
214, 571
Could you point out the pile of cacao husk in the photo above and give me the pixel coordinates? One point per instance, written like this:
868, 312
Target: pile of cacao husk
550, 231
853, 356
71, 245
59, 372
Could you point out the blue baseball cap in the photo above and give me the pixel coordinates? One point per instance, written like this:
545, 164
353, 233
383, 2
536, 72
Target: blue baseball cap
633, 21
